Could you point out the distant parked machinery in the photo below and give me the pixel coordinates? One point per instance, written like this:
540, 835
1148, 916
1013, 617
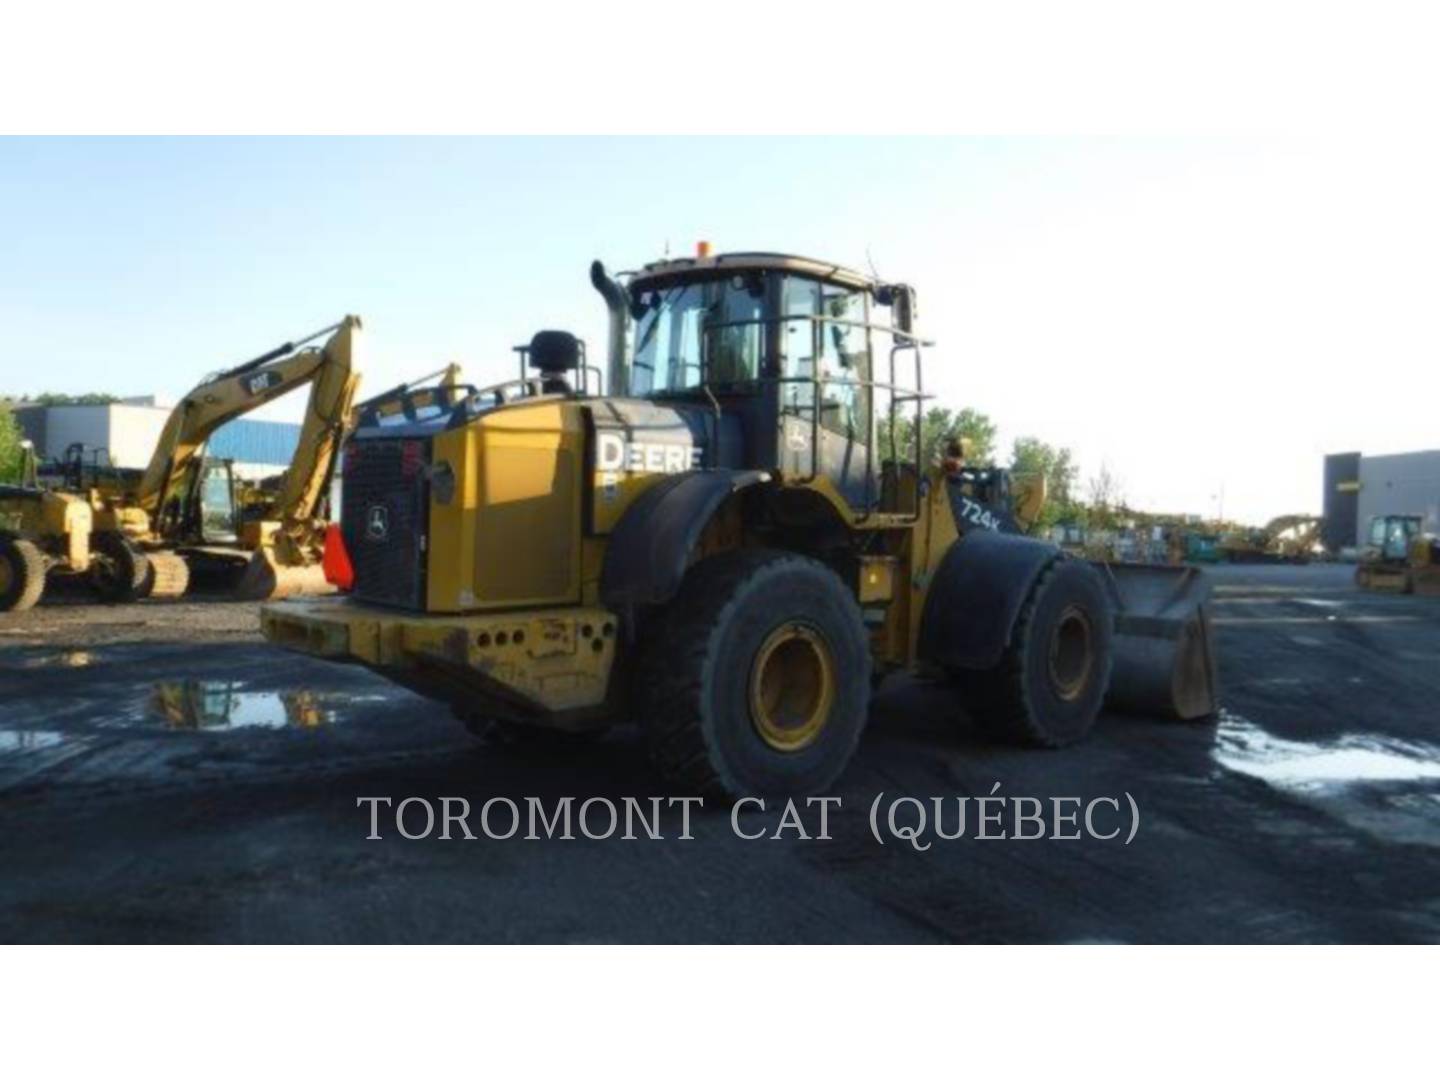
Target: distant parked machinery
45, 533
1292, 538
187, 512
1399, 556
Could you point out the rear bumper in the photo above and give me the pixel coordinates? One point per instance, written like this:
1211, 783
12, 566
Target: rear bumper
545, 661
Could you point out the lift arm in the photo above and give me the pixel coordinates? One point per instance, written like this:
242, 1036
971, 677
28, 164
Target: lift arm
328, 368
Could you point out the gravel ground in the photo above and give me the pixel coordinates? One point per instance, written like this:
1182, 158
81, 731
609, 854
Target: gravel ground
166, 776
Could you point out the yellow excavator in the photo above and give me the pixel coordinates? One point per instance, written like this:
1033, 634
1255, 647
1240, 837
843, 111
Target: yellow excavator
1291, 538
193, 506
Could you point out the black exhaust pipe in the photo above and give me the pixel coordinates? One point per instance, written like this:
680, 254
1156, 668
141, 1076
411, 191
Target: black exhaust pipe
618, 304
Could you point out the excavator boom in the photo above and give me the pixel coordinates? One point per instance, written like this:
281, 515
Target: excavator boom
242, 389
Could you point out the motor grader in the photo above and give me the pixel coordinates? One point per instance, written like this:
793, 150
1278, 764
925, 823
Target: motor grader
46, 534
720, 547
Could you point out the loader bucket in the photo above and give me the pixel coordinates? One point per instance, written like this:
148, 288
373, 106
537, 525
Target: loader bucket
1164, 647
265, 579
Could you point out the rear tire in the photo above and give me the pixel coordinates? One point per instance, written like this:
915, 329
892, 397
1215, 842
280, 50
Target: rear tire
118, 570
22, 574
755, 679
1051, 681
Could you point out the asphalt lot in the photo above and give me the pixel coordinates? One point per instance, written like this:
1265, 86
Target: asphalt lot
1310, 812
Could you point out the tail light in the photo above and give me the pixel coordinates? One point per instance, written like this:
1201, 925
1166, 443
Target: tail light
336, 560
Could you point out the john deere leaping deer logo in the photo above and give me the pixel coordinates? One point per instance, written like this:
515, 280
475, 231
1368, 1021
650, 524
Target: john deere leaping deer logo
377, 523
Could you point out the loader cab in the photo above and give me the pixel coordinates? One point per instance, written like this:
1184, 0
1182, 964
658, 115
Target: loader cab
787, 349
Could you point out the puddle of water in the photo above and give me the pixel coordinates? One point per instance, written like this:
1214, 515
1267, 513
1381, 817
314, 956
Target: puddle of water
68, 658
15, 741
207, 705
1310, 767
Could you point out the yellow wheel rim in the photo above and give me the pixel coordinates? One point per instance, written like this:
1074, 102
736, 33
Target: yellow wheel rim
1070, 653
792, 687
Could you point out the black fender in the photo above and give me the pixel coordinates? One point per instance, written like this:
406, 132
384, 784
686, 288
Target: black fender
975, 597
650, 546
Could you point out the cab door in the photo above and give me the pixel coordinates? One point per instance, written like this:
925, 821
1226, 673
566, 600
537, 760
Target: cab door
824, 333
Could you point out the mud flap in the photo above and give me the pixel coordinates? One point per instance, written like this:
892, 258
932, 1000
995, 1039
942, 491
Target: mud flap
265, 579
1164, 645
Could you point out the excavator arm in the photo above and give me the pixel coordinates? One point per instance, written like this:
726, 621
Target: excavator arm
328, 369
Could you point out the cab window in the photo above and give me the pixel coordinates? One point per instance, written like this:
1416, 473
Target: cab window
698, 331
799, 305
845, 362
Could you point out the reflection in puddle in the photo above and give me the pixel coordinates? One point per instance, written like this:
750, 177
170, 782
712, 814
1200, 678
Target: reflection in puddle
1310, 767
208, 705
68, 658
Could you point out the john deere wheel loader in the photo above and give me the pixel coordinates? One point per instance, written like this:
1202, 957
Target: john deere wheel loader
45, 533
719, 549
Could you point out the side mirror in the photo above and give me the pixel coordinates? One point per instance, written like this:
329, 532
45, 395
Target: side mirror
902, 299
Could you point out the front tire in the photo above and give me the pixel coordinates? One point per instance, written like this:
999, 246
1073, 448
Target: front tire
1051, 681
118, 569
755, 680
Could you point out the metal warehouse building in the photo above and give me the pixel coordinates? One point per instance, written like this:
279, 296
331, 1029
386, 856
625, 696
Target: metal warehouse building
129, 430
1358, 488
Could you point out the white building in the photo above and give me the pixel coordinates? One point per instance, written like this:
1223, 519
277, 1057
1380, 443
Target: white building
130, 429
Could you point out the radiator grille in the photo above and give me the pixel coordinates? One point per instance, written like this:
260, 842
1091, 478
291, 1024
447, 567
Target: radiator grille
384, 511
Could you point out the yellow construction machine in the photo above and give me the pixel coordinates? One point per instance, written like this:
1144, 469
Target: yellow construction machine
1399, 556
719, 546
1291, 538
46, 533
195, 506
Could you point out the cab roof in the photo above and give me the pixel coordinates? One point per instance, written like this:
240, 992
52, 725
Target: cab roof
665, 270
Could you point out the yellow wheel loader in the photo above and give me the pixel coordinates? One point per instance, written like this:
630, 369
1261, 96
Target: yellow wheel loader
45, 533
192, 510
720, 548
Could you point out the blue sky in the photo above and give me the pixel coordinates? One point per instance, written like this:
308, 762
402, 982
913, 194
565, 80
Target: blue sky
1189, 312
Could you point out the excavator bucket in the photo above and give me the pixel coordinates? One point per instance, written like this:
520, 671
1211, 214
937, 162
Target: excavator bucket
266, 579
1164, 646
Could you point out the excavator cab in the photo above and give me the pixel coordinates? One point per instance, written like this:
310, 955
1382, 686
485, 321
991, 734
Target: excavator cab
216, 507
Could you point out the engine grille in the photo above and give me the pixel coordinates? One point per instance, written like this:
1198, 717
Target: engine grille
384, 518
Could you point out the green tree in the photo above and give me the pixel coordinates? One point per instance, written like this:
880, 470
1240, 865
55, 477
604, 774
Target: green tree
1029, 456
10, 437
937, 427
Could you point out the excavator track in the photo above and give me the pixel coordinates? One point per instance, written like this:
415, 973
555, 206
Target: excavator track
169, 575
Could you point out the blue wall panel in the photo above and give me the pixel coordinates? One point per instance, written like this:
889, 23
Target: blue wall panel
255, 442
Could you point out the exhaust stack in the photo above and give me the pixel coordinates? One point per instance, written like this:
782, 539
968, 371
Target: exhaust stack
617, 382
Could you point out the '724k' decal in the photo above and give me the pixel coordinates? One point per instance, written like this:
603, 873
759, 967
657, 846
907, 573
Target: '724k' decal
976, 514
